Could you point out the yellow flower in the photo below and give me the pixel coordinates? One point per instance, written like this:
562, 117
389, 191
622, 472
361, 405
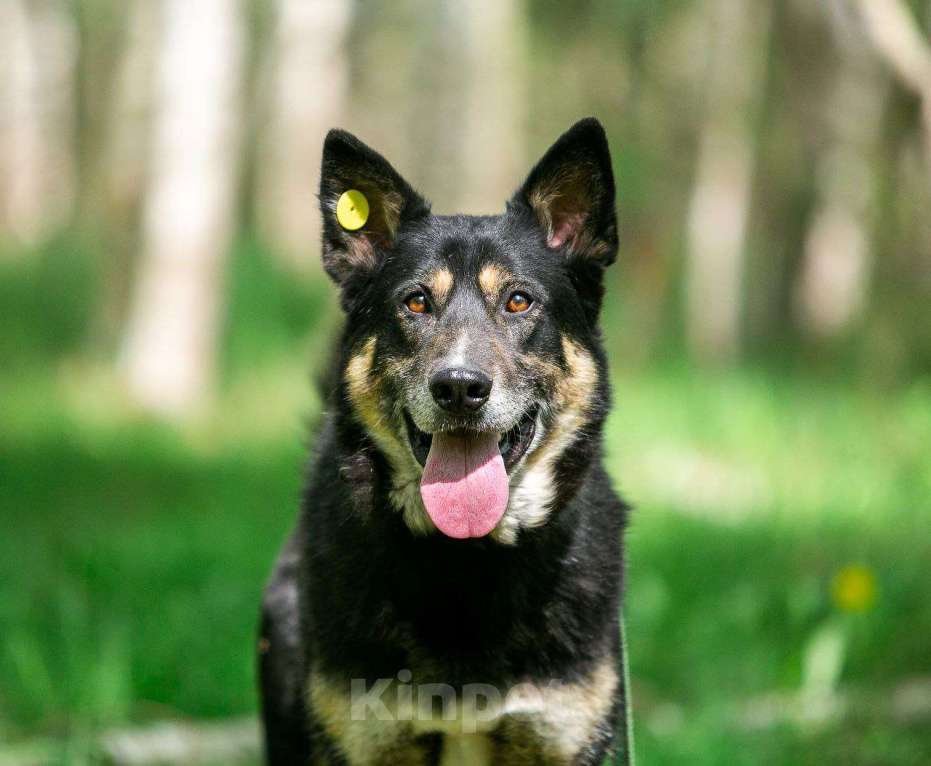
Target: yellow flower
854, 588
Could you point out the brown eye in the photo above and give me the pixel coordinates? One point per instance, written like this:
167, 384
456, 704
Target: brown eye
518, 303
417, 303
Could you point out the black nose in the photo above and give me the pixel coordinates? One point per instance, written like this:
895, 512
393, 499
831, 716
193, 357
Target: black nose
460, 391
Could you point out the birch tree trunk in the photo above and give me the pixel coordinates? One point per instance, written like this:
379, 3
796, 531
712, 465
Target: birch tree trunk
121, 163
738, 35
37, 110
494, 103
433, 112
837, 262
308, 79
171, 343
126, 152
382, 106
904, 47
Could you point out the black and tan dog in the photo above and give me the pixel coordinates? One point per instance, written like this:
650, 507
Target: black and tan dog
451, 592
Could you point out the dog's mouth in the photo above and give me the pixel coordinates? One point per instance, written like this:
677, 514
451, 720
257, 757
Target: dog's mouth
512, 445
464, 486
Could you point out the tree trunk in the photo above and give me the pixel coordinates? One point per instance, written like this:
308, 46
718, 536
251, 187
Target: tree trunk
171, 343
308, 79
125, 156
494, 103
902, 44
837, 263
37, 86
738, 36
121, 163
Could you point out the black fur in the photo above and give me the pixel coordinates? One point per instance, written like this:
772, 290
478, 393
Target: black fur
356, 593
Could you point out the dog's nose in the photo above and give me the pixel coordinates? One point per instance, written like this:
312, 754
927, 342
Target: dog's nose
460, 391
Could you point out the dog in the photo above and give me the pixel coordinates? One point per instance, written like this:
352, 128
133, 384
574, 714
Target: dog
451, 592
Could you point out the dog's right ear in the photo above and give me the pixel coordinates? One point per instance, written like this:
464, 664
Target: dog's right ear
356, 243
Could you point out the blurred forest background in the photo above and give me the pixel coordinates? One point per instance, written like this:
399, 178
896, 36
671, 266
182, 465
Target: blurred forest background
769, 322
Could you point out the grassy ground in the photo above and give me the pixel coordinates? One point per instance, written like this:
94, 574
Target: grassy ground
133, 556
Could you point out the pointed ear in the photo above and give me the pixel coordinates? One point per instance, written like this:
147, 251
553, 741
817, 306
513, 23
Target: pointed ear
348, 164
571, 193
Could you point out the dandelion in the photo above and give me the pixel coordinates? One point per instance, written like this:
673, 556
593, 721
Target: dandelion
854, 588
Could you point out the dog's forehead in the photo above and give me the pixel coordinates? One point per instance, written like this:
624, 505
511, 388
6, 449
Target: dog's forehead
461, 244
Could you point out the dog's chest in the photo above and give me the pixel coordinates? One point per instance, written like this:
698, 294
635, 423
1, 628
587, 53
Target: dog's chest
396, 722
466, 749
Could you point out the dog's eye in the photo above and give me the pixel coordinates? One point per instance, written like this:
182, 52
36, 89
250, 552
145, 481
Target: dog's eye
518, 303
417, 303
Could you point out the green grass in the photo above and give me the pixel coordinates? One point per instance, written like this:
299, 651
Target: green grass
131, 572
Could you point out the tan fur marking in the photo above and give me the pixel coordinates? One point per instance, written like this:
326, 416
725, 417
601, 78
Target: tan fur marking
440, 283
491, 279
540, 202
532, 491
574, 712
574, 392
330, 705
546, 724
579, 385
392, 204
365, 396
367, 742
541, 368
365, 391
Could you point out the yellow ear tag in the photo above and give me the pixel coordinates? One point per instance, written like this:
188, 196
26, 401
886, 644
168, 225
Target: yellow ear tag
352, 210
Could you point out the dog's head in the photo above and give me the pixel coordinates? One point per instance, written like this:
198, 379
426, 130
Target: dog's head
471, 350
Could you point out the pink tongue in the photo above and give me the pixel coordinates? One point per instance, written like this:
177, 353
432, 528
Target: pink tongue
464, 485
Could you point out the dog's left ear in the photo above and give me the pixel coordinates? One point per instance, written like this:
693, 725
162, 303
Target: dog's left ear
571, 193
